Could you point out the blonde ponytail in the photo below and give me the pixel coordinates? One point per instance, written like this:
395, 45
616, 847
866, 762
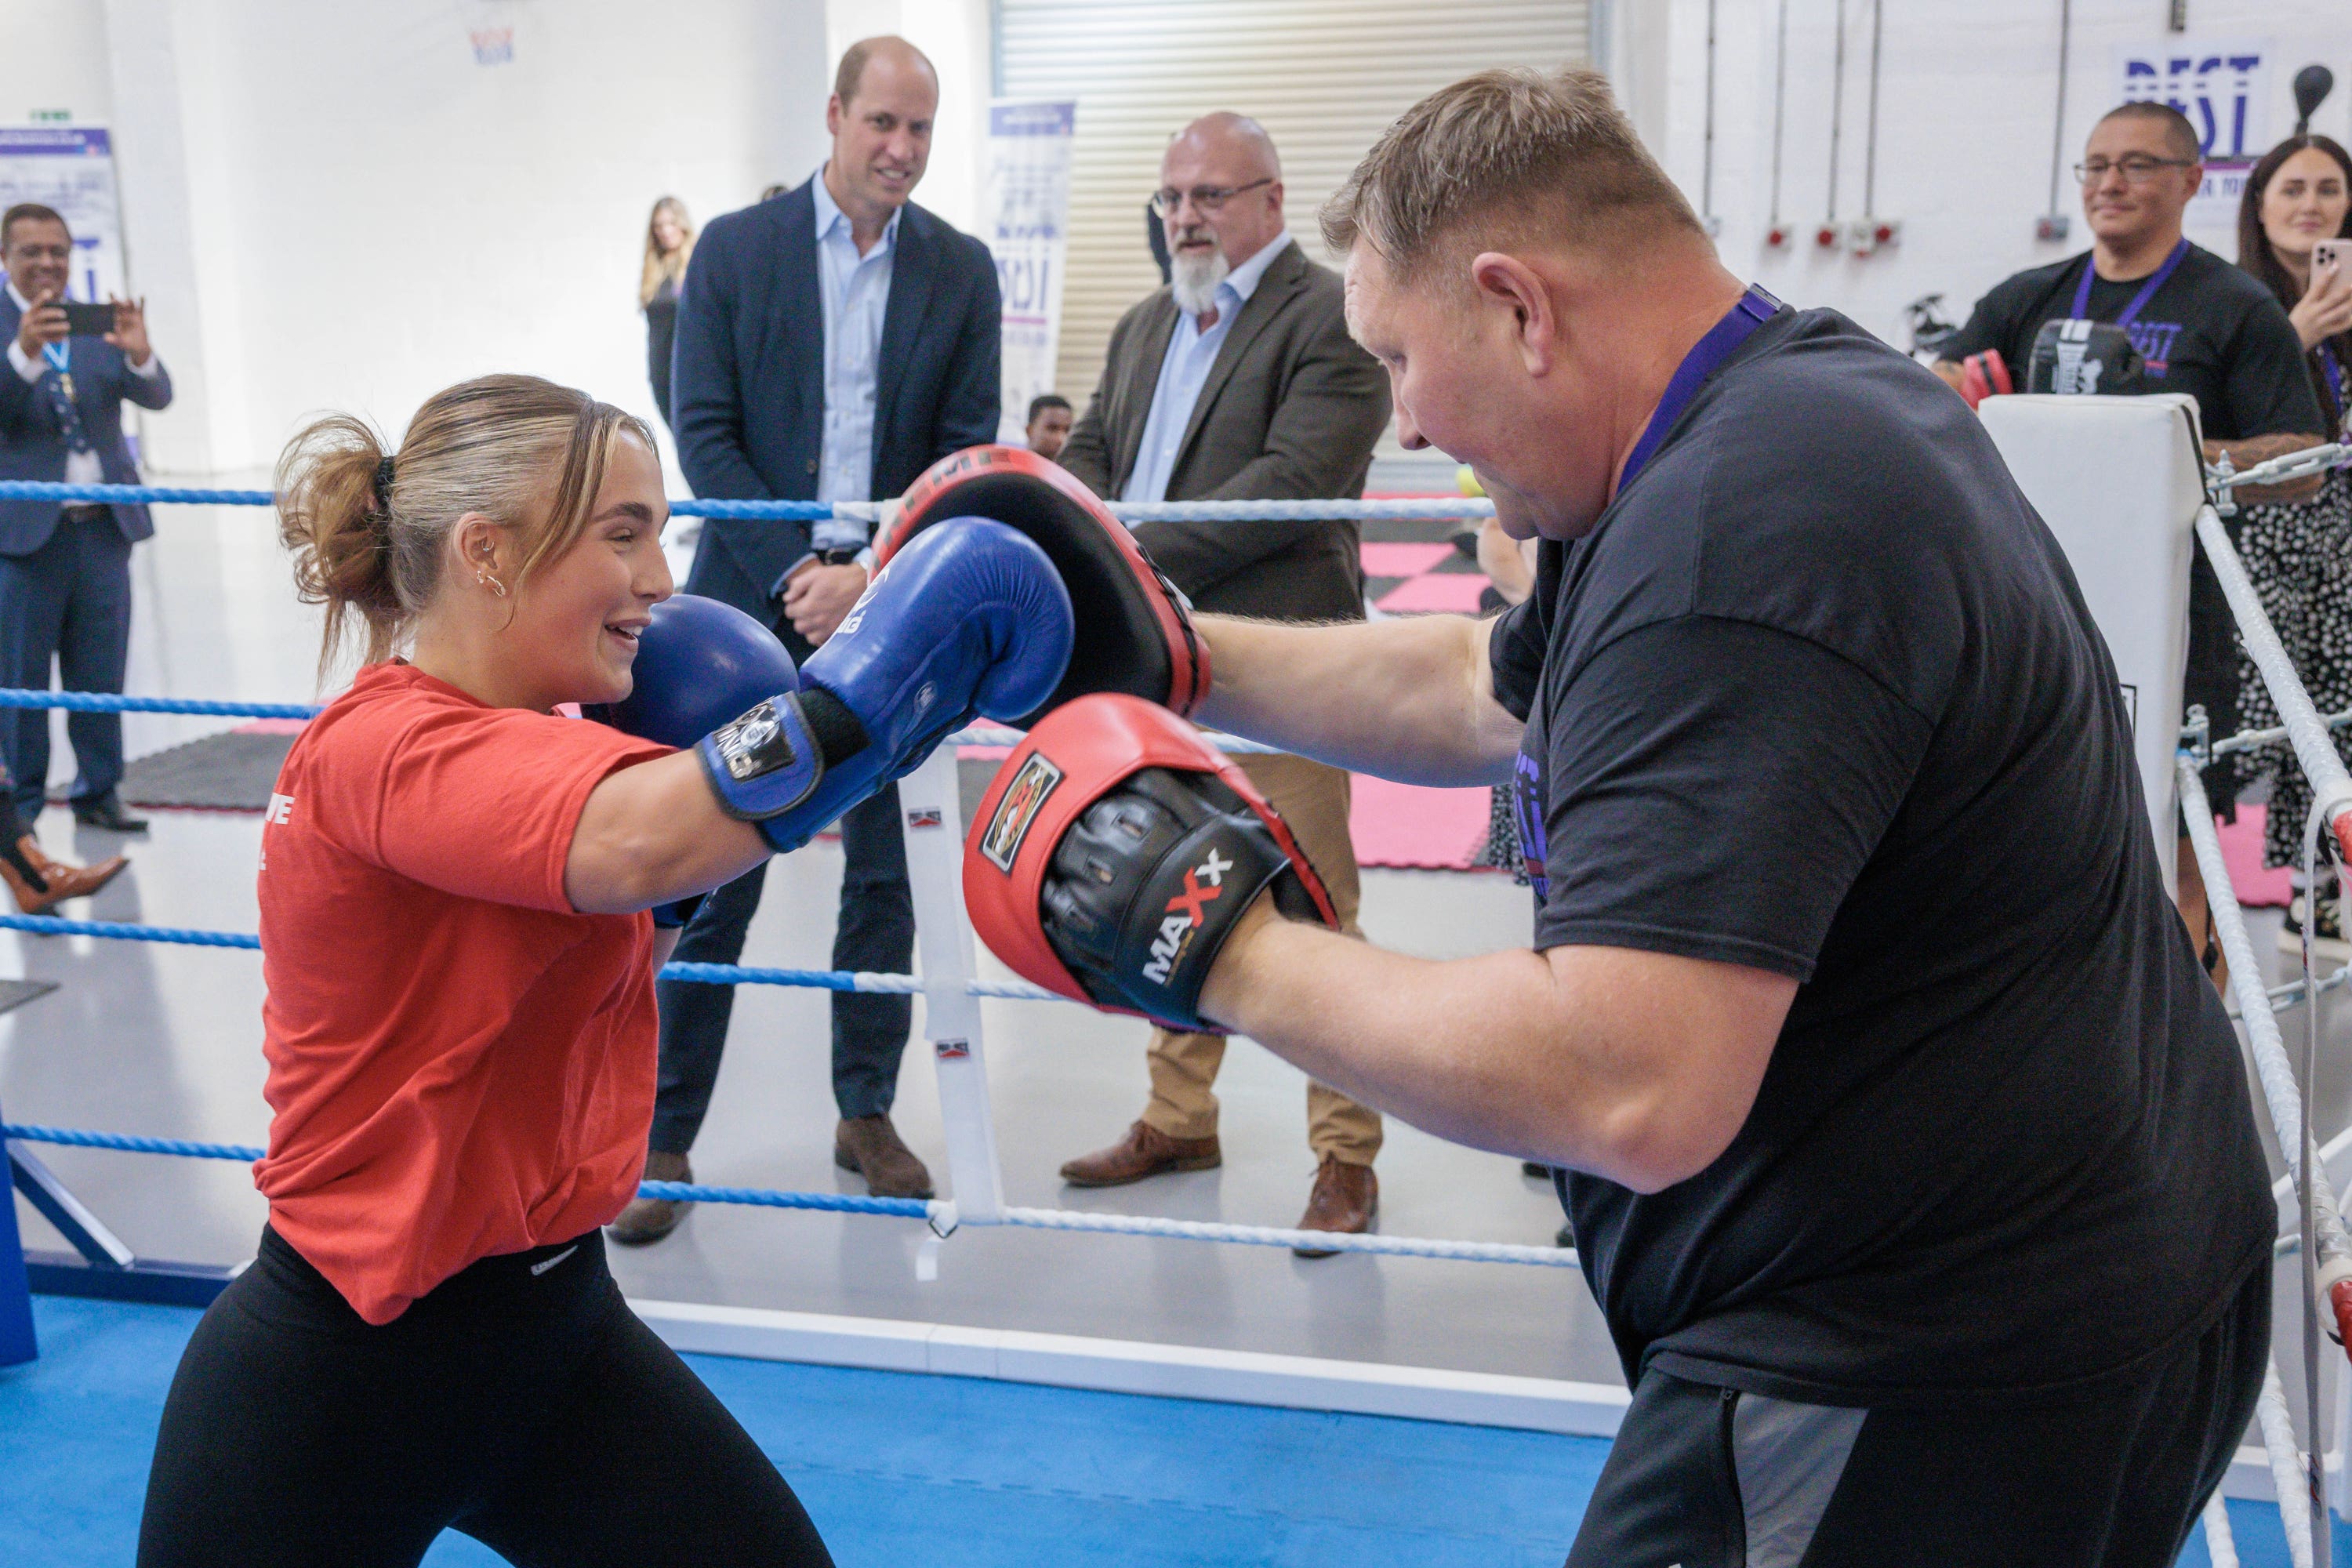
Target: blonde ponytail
369, 530
330, 516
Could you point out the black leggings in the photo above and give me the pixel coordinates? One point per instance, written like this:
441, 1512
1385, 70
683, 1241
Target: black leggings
521, 1402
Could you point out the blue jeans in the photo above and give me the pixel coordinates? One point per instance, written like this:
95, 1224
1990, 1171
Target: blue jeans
876, 931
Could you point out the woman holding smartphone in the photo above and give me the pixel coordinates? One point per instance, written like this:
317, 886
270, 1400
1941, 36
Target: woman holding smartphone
2292, 226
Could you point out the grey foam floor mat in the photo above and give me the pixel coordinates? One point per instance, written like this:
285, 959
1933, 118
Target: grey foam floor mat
234, 771
15, 993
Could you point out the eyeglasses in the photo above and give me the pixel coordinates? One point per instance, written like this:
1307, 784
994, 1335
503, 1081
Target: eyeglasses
1204, 198
2136, 170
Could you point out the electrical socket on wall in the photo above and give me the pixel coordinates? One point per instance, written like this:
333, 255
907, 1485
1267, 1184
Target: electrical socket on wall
1870, 234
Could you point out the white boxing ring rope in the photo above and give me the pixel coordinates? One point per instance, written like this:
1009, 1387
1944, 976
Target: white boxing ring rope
2328, 1264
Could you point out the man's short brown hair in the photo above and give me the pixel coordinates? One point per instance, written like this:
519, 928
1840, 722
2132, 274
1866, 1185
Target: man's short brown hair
1503, 156
30, 212
2179, 134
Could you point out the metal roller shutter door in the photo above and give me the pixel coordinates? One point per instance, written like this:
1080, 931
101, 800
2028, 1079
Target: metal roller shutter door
1325, 76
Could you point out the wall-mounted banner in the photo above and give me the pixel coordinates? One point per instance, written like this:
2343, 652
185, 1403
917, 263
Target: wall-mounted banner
72, 169
1026, 218
2223, 86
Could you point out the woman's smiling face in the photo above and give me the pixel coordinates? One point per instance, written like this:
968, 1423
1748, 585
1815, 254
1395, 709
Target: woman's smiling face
576, 620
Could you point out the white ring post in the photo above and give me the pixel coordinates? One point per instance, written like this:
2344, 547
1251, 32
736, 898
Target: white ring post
931, 815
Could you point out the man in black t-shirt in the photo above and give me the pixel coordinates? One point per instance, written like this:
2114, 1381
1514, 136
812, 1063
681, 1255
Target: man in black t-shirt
1911, 1157
2204, 327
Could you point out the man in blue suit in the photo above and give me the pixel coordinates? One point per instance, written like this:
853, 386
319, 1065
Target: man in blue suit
831, 344
65, 570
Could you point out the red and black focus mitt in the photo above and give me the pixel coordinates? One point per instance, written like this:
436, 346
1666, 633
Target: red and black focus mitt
1984, 375
1116, 851
1135, 633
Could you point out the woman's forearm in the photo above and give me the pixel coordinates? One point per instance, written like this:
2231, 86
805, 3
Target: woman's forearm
1405, 699
654, 834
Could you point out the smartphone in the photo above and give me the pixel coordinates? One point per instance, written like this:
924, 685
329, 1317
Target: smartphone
2328, 255
88, 321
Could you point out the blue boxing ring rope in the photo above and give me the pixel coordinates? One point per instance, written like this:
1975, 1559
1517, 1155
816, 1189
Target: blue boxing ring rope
953, 990
106, 1267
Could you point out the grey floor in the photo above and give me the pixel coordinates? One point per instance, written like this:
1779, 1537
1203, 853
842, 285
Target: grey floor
166, 1040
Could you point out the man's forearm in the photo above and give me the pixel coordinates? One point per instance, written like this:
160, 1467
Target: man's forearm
1405, 699
1638, 1067
2256, 450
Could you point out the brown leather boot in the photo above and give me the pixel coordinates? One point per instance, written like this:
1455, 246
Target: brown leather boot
647, 1220
64, 881
1145, 1151
1345, 1198
870, 1146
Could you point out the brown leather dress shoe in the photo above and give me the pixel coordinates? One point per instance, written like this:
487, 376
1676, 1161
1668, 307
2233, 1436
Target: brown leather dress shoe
1345, 1198
870, 1146
647, 1220
1145, 1151
63, 881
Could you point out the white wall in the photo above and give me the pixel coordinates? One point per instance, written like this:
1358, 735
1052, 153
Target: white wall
1967, 99
55, 51
337, 206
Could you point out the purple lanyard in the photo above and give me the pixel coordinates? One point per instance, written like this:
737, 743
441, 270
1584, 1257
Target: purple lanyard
2140, 300
1755, 308
2333, 368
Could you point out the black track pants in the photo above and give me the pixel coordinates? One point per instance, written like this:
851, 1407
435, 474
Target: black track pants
1709, 1478
521, 1402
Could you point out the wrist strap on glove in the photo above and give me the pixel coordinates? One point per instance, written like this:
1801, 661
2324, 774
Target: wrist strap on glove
768, 760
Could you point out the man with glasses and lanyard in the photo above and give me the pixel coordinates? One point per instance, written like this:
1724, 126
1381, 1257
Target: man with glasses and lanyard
2200, 326
1238, 382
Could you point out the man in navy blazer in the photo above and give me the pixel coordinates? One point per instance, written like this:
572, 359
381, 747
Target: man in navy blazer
831, 344
65, 569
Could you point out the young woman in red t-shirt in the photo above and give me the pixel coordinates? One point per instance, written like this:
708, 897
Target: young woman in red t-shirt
454, 893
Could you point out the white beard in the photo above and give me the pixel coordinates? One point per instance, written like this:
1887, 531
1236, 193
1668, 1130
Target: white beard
1193, 281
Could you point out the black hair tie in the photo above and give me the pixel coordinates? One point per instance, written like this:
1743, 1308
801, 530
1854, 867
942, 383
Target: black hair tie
384, 488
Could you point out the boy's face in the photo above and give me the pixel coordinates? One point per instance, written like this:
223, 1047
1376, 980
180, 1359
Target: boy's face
1049, 432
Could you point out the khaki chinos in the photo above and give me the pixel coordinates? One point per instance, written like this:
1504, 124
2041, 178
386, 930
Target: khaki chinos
1312, 797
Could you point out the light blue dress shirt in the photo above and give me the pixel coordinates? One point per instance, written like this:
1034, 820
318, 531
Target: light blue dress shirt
856, 290
1184, 370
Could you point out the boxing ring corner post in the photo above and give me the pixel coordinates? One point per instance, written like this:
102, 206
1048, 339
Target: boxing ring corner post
17, 1342
100, 1266
931, 816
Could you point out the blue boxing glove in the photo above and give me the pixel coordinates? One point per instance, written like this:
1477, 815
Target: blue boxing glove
969, 618
699, 663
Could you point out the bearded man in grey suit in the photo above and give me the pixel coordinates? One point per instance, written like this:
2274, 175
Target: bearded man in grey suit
1238, 382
